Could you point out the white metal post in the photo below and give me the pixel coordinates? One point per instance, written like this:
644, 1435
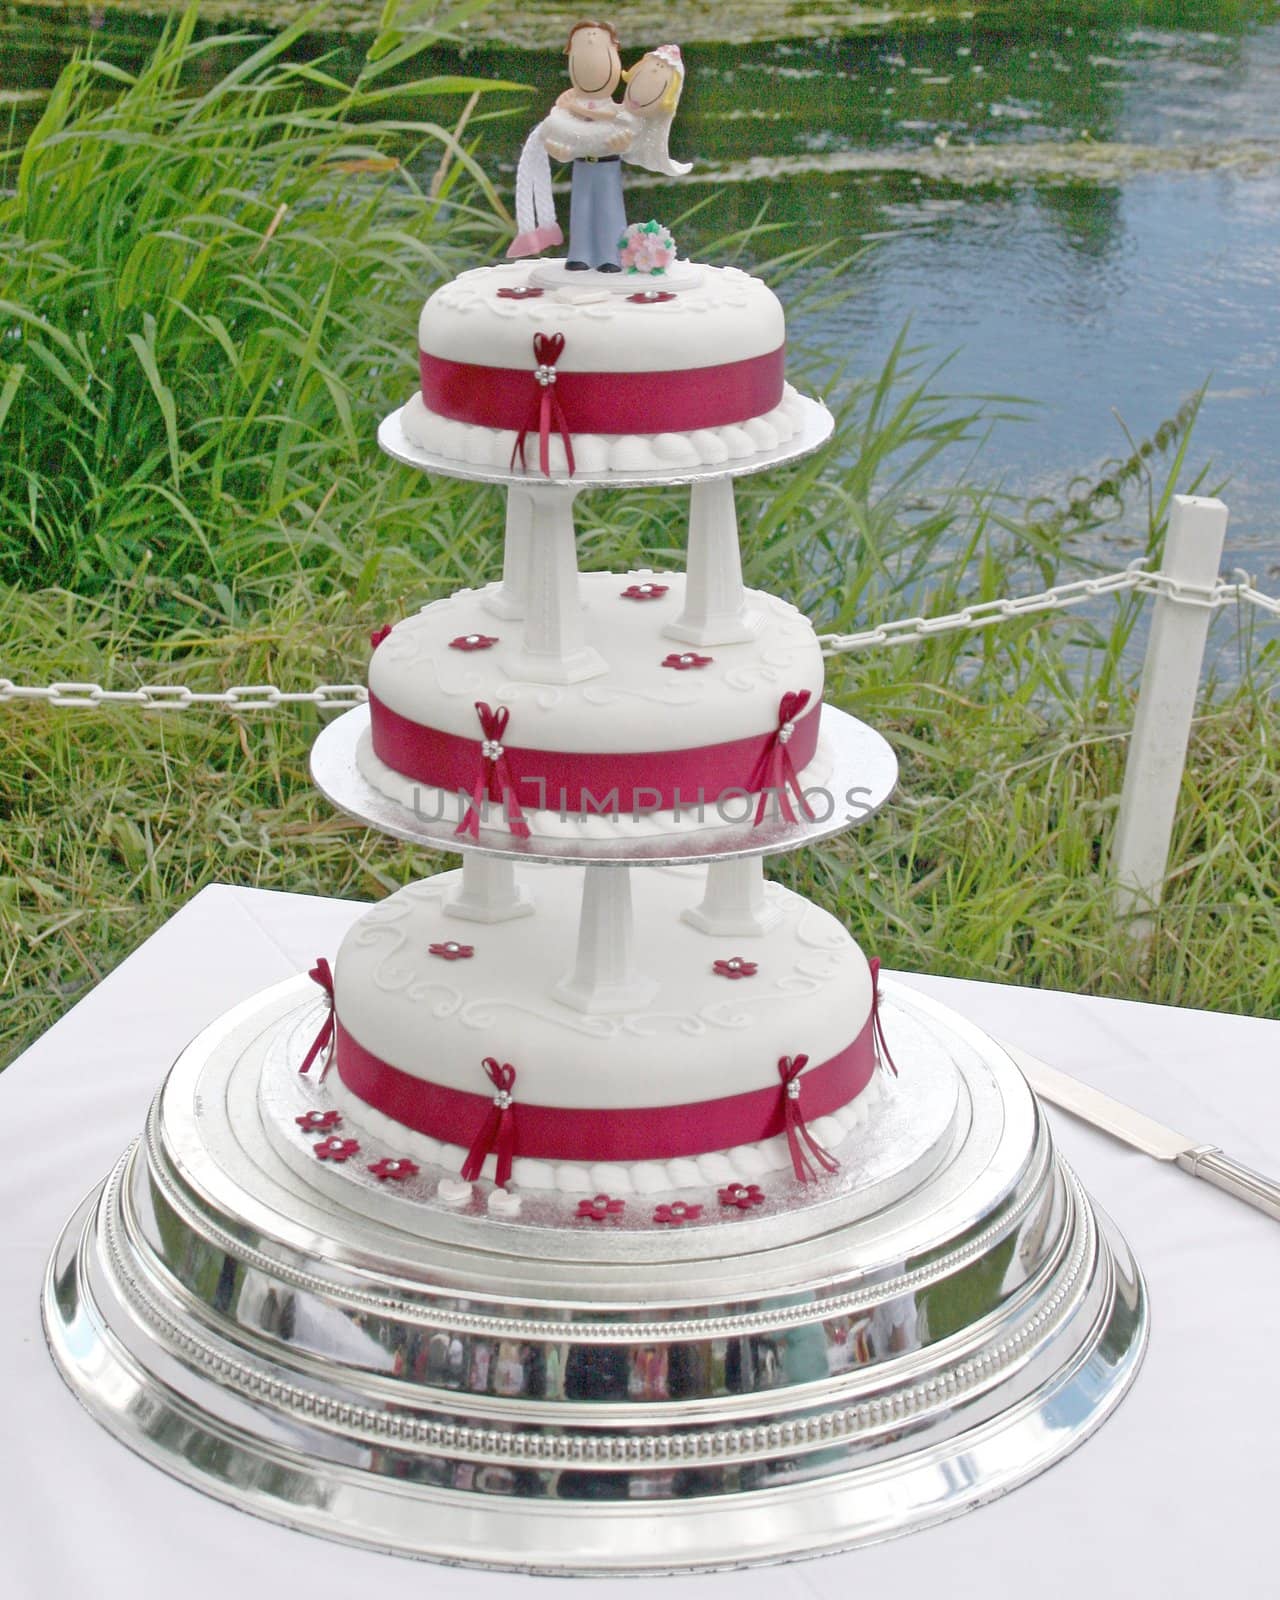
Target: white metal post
511, 596
715, 602
1166, 705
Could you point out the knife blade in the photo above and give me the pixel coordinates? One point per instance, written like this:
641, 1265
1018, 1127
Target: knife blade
1144, 1133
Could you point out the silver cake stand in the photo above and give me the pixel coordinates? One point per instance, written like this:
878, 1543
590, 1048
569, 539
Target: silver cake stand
937, 1322
513, 1386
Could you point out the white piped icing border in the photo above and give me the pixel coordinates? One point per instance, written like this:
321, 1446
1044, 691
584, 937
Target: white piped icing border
599, 452
746, 1163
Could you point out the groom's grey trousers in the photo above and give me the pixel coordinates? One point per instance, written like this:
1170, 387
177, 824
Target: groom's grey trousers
597, 217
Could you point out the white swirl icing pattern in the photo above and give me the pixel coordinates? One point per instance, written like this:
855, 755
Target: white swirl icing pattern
415, 672
436, 1019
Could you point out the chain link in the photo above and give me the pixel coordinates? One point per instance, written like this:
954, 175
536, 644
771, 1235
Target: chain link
1133, 579
906, 630
177, 697
1264, 602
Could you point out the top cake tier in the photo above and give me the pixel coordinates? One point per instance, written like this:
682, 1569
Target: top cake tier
634, 378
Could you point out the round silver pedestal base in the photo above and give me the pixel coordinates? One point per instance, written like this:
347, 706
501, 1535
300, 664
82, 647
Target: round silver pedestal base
882, 1351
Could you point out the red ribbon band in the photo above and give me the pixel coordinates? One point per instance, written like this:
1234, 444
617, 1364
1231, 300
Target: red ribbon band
607, 402
630, 1133
323, 1040
807, 1155
776, 770
877, 1021
495, 776
547, 350
498, 1131
580, 781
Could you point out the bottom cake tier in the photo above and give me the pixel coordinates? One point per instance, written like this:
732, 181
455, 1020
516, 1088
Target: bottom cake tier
668, 1076
565, 1391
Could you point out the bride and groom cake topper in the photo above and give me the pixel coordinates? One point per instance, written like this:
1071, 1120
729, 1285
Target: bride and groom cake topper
597, 133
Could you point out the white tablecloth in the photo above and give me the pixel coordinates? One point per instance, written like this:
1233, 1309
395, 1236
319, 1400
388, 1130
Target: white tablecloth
1175, 1496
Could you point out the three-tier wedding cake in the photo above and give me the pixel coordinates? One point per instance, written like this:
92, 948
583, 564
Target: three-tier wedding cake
594, 1207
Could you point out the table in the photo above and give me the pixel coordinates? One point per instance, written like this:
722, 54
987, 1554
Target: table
1173, 1497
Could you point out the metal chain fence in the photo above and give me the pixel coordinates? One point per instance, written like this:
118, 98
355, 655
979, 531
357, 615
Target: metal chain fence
905, 630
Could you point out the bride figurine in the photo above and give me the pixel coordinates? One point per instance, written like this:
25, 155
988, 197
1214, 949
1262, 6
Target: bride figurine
587, 127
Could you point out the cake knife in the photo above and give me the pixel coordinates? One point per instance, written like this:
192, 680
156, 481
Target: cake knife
1144, 1133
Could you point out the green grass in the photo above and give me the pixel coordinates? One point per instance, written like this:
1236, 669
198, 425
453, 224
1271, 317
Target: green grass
189, 492
208, 274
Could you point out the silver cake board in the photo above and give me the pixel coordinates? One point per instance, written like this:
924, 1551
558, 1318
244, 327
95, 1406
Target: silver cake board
817, 426
934, 1324
861, 774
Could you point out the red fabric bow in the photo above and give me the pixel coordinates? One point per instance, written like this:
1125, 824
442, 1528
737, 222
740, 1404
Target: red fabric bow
877, 1026
498, 1131
547, 349
495, 776
775, 771
323, 1040
807, 1155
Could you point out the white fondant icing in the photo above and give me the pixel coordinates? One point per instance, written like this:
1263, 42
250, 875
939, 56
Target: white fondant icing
715, 1168
629, 708
573, 1180
700, 1037
737, 317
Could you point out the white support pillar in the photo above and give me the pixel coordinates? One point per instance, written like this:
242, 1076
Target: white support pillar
733, 902
488, 891
555, 648
511, 597
1166, 705
604, 976
715, 602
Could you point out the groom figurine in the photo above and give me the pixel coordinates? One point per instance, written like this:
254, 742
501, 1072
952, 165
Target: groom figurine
597, 217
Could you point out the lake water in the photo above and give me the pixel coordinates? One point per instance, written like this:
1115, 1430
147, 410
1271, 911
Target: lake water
1083, 205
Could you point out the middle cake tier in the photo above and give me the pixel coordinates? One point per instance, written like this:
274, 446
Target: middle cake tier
665, 738
682, 1083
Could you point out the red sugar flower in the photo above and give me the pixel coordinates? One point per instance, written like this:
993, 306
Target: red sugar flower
645, 591
393, 1167
318, 1121
379, 634
735, 967
651, 297
451, 950
527, 291
336, 1149
600, 1207
677, 1212
686, 660
742, 1195
473, 641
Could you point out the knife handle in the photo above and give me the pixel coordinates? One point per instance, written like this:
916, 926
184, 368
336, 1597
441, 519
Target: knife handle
1208, 1162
